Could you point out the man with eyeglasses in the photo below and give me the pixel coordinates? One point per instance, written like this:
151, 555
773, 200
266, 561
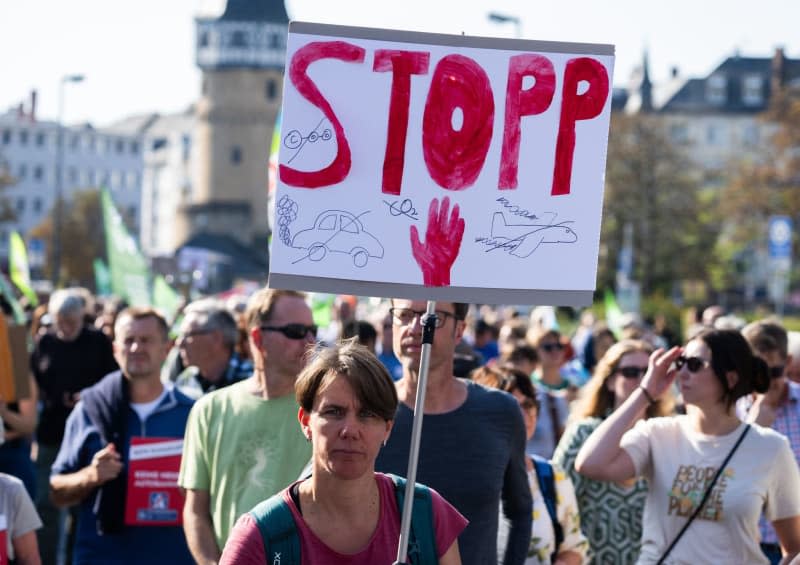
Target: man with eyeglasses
242, 442
206, 345
472, 449
778, 408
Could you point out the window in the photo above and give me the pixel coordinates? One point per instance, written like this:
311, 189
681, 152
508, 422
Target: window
714, 134
716, 90
274, 41
20, 205
75, 142
752, 91
238, 39
37, 205
38, 172
132, 213
6, 136
23, 137
186, 147
120, 146
72, 175
134, 147
22, 172
679, 133
203, 41
328, 223
236, 155
272, 89
40, 139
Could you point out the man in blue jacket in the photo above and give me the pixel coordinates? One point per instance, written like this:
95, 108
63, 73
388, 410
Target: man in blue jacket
91, 468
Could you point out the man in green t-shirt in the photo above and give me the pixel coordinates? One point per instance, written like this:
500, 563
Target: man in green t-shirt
243, 442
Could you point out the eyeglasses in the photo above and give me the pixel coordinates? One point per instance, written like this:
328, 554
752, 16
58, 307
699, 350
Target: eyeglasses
694, 364
632, 372
550, 347
405, 316
776, 372
293, 331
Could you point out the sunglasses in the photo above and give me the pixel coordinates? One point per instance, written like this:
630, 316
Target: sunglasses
693, 364
776, 372
550, 347
293, 331
632, 372
405, 316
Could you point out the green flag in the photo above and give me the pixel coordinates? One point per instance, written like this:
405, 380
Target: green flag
613, 312
18, 267
7, 292
102, 278
128, 267
165, 298
322, 308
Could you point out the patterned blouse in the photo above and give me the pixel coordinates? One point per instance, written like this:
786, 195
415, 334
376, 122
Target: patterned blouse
543, 536
610, 514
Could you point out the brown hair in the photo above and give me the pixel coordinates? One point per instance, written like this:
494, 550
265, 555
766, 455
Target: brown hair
365, 374
262, 303
765, 336
597, 401
140, 313
507, 379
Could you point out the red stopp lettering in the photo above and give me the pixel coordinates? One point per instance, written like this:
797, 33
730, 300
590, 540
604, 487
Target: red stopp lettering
403, 64
339, 168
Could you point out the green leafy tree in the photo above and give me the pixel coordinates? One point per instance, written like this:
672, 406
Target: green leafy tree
650, 186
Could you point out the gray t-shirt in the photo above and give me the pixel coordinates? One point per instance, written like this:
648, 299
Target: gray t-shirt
17, 513
473, 456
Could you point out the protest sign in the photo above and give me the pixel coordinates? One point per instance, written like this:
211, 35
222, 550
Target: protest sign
14, 370
153, 497
441, 167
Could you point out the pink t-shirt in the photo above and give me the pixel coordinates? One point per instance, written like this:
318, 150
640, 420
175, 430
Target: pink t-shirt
245, 545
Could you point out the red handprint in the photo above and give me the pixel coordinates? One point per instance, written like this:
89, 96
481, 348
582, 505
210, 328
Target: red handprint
442, 242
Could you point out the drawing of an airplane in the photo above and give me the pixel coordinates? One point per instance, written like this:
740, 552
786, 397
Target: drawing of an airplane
524, 239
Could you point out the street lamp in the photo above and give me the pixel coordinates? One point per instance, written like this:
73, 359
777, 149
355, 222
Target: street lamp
499, 18
59, 177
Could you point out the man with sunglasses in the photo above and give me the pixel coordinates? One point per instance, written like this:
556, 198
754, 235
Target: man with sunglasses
242, 442
472, 449
778, 408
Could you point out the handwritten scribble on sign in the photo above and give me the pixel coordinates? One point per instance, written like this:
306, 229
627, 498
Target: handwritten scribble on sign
338, 231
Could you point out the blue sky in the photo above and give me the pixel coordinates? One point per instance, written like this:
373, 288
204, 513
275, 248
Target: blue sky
138, 56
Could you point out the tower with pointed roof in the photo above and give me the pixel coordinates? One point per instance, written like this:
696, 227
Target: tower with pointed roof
241, 54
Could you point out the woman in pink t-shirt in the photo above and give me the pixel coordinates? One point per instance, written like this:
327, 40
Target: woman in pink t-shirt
346, 512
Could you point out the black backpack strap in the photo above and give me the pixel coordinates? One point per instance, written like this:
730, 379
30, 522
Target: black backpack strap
547, 485
421, 538
278, 531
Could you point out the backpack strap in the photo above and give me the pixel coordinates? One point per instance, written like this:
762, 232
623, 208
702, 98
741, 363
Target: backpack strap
547, 485
281, 542
421, 538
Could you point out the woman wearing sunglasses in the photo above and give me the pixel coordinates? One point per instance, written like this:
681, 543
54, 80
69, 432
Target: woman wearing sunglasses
556, 535
611, 512
710, 475
344, 512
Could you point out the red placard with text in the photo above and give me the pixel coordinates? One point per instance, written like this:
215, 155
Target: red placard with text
154, 498
3, 540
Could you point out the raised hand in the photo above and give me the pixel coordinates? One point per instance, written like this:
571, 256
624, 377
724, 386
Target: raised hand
660, 372
443, 237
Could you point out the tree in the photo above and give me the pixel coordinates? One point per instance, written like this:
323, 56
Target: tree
82, 238
649, 185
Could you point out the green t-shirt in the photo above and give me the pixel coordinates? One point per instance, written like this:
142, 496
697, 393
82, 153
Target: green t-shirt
242, 449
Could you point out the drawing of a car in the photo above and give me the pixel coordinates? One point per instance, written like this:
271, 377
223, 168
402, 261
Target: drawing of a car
338, 231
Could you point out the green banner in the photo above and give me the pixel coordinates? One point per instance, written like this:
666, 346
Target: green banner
18, 267
127, 265
7, 292
322, 309
165, 298
102, 278
613, 312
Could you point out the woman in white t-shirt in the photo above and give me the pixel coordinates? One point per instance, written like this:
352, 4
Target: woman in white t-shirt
680, 455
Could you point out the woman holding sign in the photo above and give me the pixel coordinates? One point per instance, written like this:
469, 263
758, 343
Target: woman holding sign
345, 512
710, 475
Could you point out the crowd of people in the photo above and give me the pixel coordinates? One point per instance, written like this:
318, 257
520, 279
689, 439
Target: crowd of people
600, 445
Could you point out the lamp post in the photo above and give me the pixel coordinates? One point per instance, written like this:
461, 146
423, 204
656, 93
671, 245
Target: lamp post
499, 18
59, 178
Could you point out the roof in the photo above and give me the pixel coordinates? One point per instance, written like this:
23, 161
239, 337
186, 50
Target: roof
255, 11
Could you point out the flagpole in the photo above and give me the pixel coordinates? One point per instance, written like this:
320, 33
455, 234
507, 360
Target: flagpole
428, 329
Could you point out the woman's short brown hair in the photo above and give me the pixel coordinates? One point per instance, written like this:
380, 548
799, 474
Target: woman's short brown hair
367, 376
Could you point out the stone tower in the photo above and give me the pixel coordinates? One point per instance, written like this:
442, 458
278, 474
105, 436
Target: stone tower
241, 54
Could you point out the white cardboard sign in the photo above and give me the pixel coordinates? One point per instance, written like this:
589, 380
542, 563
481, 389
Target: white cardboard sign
441, 167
